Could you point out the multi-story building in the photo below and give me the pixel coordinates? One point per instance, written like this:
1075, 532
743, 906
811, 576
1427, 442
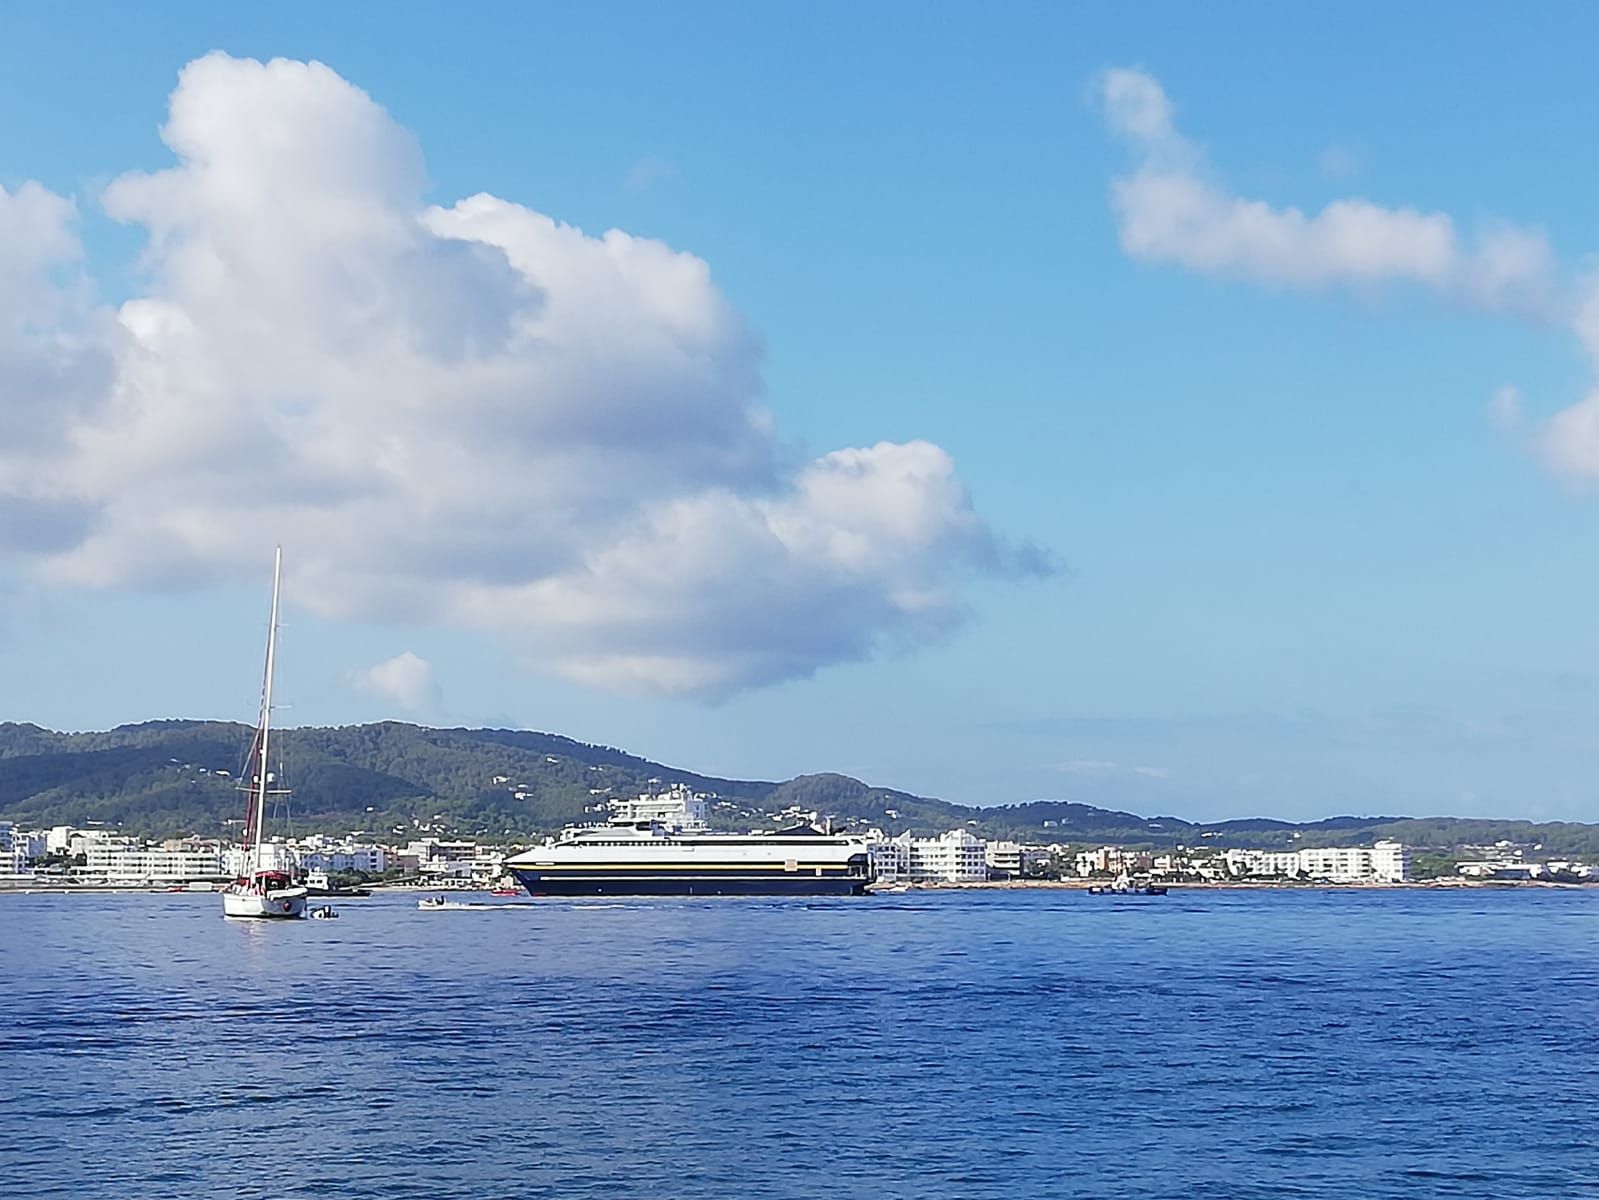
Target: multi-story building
890, 860
1263, 863
14, 850
427, 850
326, 854
275, 856
1112, 860
679, 804
122, 862
954, 857
1385, 862
1390, 861
1003, 858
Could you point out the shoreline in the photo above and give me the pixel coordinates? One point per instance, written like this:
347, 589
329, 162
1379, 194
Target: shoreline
35, 888
32, 888
1450, 883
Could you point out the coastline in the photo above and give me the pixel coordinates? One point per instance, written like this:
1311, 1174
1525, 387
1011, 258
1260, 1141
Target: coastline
21, 887
1450, 883
30, 887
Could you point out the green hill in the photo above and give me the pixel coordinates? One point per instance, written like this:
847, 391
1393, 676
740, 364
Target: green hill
163, 778
170, 777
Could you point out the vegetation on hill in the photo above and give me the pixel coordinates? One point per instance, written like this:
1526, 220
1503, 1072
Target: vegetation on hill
163, 778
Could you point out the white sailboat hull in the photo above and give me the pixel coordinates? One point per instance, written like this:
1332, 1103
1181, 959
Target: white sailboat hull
269, 894
283, 903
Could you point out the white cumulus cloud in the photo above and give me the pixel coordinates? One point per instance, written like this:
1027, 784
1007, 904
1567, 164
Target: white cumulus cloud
469, 413
1169, 209
405, 679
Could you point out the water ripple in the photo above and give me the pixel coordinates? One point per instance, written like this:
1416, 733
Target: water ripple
1243, 1046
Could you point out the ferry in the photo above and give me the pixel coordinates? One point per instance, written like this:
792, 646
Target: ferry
661, 845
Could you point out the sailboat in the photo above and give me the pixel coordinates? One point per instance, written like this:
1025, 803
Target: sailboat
263, 891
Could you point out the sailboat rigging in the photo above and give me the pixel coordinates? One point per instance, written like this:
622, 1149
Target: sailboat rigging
263, 890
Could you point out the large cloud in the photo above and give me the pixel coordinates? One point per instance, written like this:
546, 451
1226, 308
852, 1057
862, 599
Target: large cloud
473, 414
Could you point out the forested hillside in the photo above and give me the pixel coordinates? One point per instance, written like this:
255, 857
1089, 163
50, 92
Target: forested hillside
175, 777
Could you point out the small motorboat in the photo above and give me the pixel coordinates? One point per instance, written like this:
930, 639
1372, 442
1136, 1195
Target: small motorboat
326, 913
1124, 886
435, 903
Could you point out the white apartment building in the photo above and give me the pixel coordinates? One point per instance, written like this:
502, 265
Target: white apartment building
64, 839
1003, 857
1390, 861
275, 856
324, 854
16, 848
1112, 860
126, 863
954, 857
1384, 862
1520, 868
488, 867
426, 850
679, 806
1263, 864
1015, 858
889, 860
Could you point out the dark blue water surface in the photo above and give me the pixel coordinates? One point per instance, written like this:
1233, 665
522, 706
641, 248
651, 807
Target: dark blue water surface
953, 1044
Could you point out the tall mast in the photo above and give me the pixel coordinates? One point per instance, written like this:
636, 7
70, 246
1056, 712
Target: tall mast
266, 716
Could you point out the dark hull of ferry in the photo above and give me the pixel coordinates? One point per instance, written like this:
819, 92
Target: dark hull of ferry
599, 883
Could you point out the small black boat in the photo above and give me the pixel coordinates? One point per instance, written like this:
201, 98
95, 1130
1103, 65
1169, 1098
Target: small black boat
1126, 887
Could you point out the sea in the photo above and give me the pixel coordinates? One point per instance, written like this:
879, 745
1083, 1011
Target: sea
983, 1043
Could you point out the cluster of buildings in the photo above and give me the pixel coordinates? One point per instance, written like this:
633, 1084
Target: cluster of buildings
961, 857
1383, 862
108, 857
958, 856
1511, 866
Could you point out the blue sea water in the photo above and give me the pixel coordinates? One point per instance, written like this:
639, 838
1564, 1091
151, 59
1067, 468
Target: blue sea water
954, 1044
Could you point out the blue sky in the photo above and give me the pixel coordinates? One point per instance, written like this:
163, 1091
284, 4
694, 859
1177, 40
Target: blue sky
920, 300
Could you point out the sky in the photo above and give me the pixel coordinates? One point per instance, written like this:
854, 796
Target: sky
1185, 410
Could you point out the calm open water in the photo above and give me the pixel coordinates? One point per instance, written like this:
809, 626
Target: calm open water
954, 1044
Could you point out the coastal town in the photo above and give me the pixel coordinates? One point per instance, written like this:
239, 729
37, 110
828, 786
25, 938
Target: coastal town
99, 857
